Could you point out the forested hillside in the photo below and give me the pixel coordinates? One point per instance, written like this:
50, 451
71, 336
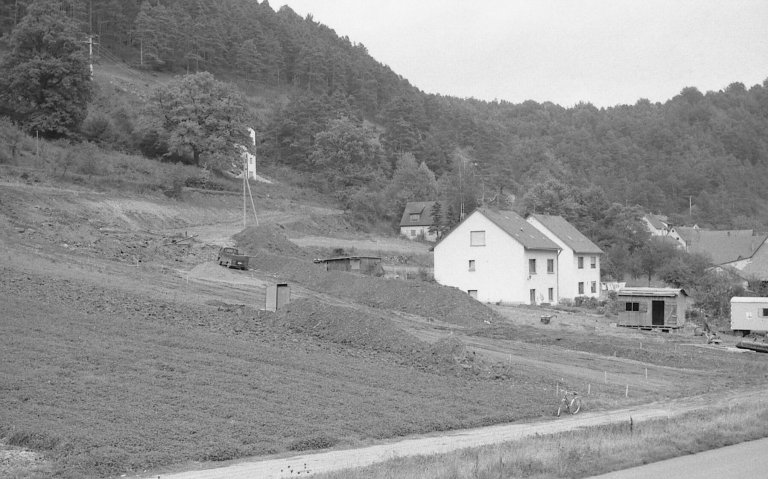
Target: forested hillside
353, 123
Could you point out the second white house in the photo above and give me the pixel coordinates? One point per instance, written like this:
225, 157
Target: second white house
579, 262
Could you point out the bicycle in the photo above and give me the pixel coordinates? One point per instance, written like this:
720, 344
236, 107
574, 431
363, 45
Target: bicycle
572, 405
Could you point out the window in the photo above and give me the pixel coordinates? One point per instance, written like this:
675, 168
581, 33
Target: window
477, 238
551, 294
764, 312
413, 233
581, 262
472, 293
593, 288
550, 266
471, 265
531, 266
593, 262
415, 217
632, 306
581, 287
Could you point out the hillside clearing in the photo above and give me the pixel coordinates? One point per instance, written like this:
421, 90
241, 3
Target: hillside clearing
127, 350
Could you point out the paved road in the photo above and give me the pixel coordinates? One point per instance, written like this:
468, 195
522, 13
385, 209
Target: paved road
454, 440
746, 460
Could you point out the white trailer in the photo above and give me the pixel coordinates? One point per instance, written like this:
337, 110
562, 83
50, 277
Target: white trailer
749, 315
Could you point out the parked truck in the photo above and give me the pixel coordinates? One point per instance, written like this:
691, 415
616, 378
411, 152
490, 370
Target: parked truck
749, 318
231, 258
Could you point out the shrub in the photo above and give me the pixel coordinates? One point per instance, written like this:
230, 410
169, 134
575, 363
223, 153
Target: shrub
98, 128
310, 443
585, 302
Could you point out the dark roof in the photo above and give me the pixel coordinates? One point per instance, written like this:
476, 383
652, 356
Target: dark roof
652, 292
344, 258
657, 221
515, 226
722, 246
568, 234
757, 268
423, 209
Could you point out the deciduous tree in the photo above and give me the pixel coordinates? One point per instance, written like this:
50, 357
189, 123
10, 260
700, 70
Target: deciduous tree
45, 83
202, 117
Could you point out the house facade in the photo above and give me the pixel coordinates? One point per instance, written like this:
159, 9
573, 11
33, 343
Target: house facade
579, 261
417, 220
497, 256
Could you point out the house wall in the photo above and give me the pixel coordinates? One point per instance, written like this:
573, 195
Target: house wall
570, 275
408, 232
569, 280
500, 266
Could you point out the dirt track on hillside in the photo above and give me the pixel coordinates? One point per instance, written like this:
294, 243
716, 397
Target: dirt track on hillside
323, 462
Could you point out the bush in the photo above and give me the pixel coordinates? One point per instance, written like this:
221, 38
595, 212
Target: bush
311, 443
585, 302
97, 128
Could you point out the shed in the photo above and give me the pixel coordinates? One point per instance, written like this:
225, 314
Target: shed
360, 264
652, 307
749, 314
277, 296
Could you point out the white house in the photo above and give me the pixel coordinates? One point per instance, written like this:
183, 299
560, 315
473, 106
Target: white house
579, 272
497, 256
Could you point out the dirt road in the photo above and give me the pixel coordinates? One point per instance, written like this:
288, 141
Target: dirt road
309, 464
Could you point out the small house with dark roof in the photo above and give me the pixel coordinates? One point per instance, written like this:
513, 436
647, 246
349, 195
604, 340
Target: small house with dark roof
497, 256
578, 271
357, 264
648, 308
417, 220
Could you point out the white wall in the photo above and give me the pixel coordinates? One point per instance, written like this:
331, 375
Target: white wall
570, 275
501, 266
406, 231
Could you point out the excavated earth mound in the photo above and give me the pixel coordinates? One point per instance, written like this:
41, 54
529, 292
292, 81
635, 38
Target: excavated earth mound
273, 252
267, 238
355, 328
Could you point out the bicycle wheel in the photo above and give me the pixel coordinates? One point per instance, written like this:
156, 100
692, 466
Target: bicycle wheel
575, 405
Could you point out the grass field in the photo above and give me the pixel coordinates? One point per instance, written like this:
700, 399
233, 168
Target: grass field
585, 452
104, 382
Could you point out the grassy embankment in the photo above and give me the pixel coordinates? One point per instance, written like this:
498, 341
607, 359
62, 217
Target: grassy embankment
585, 452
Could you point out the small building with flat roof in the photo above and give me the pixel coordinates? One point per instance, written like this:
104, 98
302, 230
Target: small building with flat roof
649, 308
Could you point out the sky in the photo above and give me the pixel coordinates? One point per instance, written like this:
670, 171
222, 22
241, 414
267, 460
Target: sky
604, 52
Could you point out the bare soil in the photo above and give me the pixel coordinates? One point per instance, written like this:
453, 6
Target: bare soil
113, 307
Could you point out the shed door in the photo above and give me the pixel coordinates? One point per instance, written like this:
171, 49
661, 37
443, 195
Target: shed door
657, 313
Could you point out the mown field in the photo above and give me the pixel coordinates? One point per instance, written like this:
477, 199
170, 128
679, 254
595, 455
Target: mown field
105, 382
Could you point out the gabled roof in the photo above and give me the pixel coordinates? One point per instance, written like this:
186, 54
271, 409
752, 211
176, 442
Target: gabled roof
722, 246
423, 209
657, 221
568, 234
515, 226
757, 267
